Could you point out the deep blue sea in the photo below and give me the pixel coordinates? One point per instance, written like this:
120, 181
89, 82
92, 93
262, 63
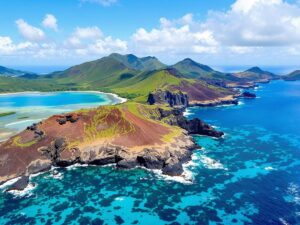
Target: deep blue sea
251, 176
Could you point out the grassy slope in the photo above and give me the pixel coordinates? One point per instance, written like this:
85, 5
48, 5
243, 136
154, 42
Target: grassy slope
142, 85
194, 70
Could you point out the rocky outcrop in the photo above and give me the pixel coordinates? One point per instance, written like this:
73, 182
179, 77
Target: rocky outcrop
20, 184
171, 98
248, 94
175, 117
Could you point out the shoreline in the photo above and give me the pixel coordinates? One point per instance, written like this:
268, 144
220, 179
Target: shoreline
184, 161
113, 95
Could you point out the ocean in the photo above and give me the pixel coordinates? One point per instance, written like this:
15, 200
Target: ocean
251, 176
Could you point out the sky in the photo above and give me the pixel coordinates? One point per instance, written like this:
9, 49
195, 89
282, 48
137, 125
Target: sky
214, 32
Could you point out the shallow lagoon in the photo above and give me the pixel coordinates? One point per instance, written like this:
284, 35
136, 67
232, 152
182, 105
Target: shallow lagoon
31, 107
252, 176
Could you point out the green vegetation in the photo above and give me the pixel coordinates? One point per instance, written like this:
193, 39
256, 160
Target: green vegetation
191, 69
17, 142
7, 114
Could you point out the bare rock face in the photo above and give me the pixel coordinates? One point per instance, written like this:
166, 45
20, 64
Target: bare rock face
175, 117
38, 166
172, 99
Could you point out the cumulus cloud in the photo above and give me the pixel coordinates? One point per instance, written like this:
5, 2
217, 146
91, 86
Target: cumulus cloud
91, 40
248, 26
50, 22
101, 2
29, 32
257, 23
87, 32
176, 36
8, 47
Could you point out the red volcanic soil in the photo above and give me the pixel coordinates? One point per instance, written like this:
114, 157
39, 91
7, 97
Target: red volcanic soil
199, 92
129, 131
70, 131
144, 133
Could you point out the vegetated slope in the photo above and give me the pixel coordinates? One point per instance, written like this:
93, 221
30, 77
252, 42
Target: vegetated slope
256, 74
170, 80
194, 70
99, 73
292, 76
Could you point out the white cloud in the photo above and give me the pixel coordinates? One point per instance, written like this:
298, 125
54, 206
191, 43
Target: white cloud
257, 23
50, 22
87, 32
101, 2
177, 36
29, 32
249, 27
8, 47
91, 40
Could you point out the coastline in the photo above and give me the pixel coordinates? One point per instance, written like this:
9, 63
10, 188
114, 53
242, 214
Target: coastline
112, 95
232, 100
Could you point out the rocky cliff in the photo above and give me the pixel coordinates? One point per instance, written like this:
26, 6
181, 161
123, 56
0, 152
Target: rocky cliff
171, 98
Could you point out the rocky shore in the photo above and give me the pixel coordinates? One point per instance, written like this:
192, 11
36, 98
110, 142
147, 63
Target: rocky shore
145, 136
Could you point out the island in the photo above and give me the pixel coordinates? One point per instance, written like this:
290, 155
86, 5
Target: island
149, 130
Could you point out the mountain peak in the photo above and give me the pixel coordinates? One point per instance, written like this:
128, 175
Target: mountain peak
255, 69
136, 63
188, 62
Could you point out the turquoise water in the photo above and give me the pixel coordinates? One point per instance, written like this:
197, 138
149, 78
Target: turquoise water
252, 176
32, 107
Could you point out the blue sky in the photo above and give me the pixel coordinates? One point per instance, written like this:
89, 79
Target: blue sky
215, 32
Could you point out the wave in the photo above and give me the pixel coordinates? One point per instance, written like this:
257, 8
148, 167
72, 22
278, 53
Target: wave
210, 163
26, 192
187, 113
23, 121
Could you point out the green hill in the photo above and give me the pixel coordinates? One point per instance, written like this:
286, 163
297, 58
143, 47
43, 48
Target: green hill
292, 76
255, 73
194, 70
